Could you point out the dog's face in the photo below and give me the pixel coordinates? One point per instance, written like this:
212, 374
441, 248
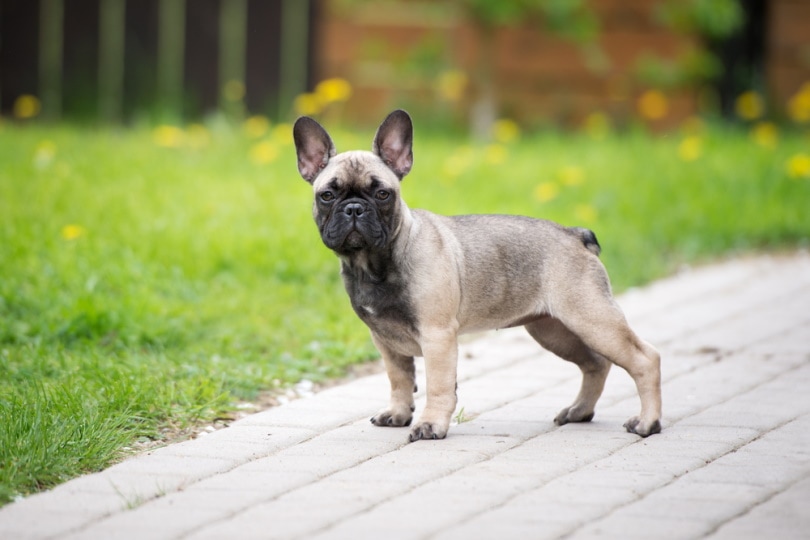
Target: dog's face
357, 196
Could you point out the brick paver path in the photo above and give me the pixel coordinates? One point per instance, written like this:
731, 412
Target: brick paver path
733, 460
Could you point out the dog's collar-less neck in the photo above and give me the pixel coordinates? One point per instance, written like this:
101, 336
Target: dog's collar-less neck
368, 267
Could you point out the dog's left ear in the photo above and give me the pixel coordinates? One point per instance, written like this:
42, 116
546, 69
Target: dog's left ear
313, 146
393, 142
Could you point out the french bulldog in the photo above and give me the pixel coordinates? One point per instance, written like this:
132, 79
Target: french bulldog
419, 279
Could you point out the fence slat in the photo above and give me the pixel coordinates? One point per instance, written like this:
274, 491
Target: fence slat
294, 64
51, 18
112, 28
171, 51
232, 61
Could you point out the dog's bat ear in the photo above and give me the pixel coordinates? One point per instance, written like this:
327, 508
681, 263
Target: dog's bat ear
313, 146
393, 142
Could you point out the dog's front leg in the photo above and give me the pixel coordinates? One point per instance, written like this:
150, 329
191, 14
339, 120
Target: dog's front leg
440, 349
402, 376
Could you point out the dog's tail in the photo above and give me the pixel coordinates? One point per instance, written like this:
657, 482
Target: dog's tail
588, 239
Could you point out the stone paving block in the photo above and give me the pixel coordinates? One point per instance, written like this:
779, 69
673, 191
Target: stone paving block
50, 514
711, 512
269, 483
314, 414
510, 522
160, 465
177, 513
770, 474
687, 287
425, 510
637, 481
305, 463
365, 388
765, 322
237, 444
621, 525
706, 389
520, 429
540, 408
292, 515
497, 349
573, 443
793, 341
483, 394
686, 489
783, 516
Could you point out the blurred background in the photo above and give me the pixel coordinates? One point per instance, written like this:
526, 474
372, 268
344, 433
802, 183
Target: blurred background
456, 63
160, 267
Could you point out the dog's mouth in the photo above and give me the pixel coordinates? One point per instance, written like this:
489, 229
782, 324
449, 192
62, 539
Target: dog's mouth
354, 241
352, 235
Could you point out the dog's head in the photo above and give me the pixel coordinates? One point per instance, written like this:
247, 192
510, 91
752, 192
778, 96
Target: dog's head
357, 197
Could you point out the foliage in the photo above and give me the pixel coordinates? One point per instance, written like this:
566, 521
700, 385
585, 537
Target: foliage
715, 19
568, 18
154, 278
707, 20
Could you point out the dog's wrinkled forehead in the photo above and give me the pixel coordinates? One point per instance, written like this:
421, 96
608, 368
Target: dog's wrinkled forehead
356, 169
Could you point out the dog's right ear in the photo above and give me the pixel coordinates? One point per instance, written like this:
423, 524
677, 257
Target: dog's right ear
313, 146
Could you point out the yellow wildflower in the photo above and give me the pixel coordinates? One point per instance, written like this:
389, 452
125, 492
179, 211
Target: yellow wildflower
495, 154
546, 191
308, 104
333, 90
799, 105
72, 232
263, 153
505, 131
571, 175
749, 105
765, 134
586, 213
168, 136
653, 105
690, 148
233, 90
798, 166
451, 85
256, 126
26, 106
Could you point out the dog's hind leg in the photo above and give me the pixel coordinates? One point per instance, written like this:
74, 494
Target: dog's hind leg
557, 338
604, 329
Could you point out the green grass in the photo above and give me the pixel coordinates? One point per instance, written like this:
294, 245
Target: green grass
143, 287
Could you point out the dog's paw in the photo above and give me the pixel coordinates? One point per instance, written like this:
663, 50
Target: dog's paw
635, 425
572, 414
427, 431
390, 418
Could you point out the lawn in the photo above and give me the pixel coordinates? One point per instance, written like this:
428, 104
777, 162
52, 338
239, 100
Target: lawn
155, 278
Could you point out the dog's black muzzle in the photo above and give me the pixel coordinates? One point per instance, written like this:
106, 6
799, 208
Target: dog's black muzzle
354, 225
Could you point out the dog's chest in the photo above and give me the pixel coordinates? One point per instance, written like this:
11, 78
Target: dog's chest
382, 302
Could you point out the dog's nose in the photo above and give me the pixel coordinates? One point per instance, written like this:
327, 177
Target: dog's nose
353, 209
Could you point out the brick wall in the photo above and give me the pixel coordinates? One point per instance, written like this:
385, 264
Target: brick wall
540, 78
787, 49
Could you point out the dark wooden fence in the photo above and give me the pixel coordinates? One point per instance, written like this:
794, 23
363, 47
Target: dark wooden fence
122, 59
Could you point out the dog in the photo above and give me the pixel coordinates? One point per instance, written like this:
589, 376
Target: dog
419, 279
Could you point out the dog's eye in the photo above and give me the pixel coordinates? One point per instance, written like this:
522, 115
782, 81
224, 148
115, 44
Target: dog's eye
382, 195
327, 196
